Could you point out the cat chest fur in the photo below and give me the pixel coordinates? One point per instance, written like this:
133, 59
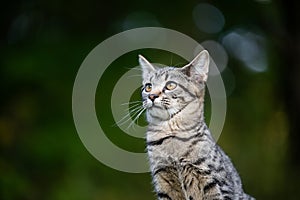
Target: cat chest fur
177, 145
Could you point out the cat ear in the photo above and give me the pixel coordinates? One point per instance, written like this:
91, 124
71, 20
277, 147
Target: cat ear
147, 67
198, 68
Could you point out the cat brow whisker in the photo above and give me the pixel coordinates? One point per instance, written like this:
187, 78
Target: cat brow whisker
179, 64
137, 68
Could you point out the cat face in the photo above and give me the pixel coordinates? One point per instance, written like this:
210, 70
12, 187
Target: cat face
167, 91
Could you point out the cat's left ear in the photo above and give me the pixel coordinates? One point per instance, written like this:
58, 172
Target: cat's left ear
147, 67
198, 68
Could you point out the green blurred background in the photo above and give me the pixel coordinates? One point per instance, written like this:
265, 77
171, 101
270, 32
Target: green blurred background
43, 43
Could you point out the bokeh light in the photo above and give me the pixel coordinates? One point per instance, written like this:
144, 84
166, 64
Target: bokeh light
247, 47
208, 18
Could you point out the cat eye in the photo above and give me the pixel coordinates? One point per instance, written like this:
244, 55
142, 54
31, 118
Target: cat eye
171, 85
148, 87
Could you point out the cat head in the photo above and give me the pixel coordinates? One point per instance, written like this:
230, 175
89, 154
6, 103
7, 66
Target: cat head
168, 91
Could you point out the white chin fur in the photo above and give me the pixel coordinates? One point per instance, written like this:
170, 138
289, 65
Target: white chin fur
156, 114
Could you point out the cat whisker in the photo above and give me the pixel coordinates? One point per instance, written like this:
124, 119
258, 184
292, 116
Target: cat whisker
131, 102
134, 116
123, 120
131, 108
137, 117
127, 117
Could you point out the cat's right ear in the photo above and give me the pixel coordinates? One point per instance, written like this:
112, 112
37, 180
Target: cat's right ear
198, 67
147, 67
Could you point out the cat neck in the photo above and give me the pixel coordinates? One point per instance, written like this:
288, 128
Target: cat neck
191, 115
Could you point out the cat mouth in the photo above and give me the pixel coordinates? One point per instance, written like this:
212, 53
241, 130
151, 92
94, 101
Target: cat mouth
172, 112
153, 104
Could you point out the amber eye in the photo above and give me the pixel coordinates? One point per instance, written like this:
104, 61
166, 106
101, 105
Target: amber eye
171, 85
148, 87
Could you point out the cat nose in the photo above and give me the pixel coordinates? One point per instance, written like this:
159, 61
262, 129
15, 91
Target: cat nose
152, 97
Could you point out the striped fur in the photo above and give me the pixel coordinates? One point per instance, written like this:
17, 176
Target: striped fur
185, 161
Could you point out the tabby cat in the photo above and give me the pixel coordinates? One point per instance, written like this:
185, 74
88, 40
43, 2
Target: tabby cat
185, 161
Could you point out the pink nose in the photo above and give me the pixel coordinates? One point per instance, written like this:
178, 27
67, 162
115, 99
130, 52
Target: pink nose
152, 97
